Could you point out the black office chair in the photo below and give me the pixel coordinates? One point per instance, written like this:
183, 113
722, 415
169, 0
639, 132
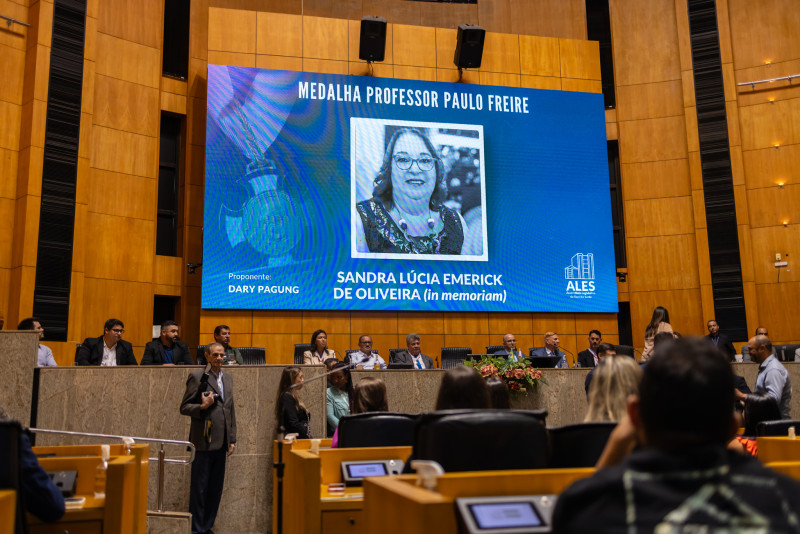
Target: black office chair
451, 362
578, 445
785, 353
299, 349
376, 429
455, 353
627, 350
542, 362
11, 470
254, 355
201, 354
491, 349
776, 428
393, 354
481, 440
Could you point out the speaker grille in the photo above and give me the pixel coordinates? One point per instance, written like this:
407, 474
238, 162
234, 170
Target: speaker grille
715, 157
60, 169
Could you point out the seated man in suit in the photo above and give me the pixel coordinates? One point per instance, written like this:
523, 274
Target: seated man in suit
551, 349
721, 341
167, 349
510, 348
107, 350
589, 357
680, 477
413, 355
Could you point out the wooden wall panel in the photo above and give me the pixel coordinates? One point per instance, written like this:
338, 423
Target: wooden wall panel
661, 263
279, 34
650, 100
460, 323
773, 313
655, 179
325, 38
126, 106
577, 59
139, 22
128, 61
656, 217
539, 56
766, 32
500, 53
656, 140
685, 315
132, 244
414, 45
139, 159
120, 194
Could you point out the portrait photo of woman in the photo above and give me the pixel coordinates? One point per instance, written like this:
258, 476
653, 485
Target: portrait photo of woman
411, 207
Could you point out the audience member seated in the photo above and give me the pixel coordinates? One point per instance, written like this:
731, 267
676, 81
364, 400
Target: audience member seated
721, 341
603, 350
658, 323
550, 349
222, 334
107, 350
369, 395
39, 494
319, 349
682, 479
45, 355
757, 408
167, 349
463, 388
510, 348
339, 395
290, 412
413, 355
616, 378
499, 397
364, 358
773, 379
589, 357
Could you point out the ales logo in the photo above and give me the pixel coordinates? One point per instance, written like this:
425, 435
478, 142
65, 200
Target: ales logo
580, 276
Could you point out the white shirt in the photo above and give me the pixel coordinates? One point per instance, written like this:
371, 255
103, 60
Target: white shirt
109, 355
219, 385
45, 357
368, 361
418, 358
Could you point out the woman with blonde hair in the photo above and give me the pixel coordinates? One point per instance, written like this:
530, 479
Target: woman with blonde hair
615, 379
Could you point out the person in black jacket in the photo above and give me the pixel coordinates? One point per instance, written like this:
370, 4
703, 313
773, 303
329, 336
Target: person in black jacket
590, 357
167, 349
107, 350
721, 341
290, 412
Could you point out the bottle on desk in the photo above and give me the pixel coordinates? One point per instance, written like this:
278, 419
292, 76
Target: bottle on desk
100, 474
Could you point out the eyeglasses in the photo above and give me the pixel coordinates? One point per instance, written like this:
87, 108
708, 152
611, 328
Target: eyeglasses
368, 343
404, 161
118, 331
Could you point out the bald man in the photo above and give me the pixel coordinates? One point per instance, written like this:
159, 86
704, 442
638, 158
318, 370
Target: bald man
510, 348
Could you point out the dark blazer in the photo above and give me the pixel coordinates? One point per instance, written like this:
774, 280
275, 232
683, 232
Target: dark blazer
586, 358
90, 352
724, 345
221, 414
405, 357
154, 353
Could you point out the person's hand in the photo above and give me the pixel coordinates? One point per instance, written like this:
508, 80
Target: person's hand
231, 448
360, 367
207, 400
620, 444
739, 395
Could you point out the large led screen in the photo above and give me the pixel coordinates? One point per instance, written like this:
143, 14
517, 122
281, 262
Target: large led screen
333, 192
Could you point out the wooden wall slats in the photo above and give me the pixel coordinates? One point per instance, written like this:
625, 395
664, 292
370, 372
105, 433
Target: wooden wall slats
325, 38
652, 100
133, 245
233, 31
540, 82
578, 59
126, 106
138, 158
120, 194
656, 217
539, 56
128, 61
279, 63
326, 66
581, 86
657, 140
763, 32
138, 22
660, 263
500, 53
414, 45
278, 34
655, 179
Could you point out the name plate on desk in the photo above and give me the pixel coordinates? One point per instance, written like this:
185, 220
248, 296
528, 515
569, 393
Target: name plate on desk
513, 514
354, 473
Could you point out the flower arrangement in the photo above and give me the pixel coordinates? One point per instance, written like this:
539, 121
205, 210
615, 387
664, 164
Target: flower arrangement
519, 376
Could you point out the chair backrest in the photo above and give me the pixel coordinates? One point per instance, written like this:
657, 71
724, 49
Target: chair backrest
479, 440
455, 353
491, 349
449, 363
627, 350
578, 445
376, 429
785, 353
254, 355
776, 428
10, 468
201, 354
393, 354
299, 349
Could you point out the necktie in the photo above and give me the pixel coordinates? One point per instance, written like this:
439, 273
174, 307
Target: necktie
419, 362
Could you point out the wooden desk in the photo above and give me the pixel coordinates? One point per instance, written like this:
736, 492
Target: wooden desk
123, 510
308, 506
778, 449
8, 510
791, 469
415, 509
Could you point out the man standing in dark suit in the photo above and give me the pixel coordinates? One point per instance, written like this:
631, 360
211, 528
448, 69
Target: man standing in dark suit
721, 341
413, 354
107, 350
167, 349
589, 357
208, 400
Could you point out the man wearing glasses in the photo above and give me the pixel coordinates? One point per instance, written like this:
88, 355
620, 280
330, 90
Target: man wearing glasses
364, 358
107, 350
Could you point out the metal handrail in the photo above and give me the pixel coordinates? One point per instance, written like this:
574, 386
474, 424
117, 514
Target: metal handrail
9, 21
769, 80
161, 458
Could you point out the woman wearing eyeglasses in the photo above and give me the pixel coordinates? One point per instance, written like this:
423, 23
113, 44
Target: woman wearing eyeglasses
406, 214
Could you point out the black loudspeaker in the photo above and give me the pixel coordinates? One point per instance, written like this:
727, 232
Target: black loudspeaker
469, 46
372, 46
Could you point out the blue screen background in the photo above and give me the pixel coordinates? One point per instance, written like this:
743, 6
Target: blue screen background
546, 188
